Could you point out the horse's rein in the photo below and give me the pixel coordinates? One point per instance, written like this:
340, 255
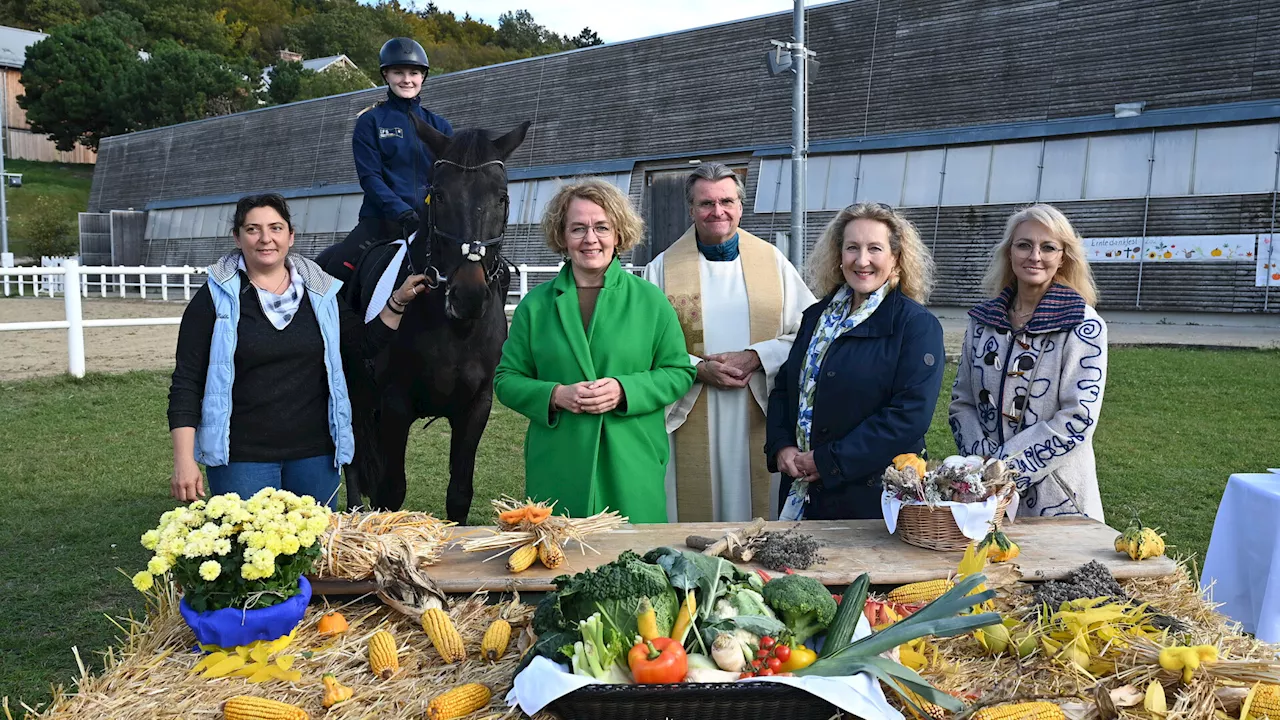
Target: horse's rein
473, 250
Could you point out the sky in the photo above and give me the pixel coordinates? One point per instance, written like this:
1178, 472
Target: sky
616, 20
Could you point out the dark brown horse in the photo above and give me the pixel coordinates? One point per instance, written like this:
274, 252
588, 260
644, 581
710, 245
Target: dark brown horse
442, 360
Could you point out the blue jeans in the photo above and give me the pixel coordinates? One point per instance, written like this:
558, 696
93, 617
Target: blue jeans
314, 476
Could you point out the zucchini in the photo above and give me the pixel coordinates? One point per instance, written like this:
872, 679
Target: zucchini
845, 622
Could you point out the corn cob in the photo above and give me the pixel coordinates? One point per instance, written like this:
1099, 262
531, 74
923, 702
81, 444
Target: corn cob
1263, 702
496, 639
382, 655
246, 707
931, 711
462, 700
551, 554
522, 558
444, 635
1022, 711
926, 591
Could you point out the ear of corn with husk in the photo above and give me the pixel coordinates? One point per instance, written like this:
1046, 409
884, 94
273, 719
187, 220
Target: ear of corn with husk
245, 707
444, 635
382, 655
462, 700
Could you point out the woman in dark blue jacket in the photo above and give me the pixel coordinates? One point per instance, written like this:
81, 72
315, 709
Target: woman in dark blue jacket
864, 373
393, 163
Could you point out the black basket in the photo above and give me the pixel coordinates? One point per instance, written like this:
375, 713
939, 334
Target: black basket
692, 701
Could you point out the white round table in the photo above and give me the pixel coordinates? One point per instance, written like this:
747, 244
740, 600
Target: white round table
1242, 566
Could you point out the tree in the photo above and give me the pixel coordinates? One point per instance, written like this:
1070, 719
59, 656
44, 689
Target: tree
586, 38
177, 84
41, 15
334, 81
67, 81
519, 31
194, 23
285, 82
350, 29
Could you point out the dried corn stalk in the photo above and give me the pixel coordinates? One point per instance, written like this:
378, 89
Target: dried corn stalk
355, 541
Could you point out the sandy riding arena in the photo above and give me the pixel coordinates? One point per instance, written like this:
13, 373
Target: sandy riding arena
35, 353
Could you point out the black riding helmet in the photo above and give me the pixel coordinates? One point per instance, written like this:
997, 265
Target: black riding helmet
403, 51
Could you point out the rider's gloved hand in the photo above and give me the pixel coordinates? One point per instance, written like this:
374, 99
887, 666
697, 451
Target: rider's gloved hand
408, 223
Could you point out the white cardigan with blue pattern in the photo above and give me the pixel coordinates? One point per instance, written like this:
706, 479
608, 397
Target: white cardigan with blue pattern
1033, 398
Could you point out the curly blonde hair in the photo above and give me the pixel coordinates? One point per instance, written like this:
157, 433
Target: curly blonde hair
1074, 271
914, 272
628, 228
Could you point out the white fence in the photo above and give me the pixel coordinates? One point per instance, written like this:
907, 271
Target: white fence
51, 280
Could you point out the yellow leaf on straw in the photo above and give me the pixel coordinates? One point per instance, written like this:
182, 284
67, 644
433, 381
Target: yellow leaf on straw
260, 654
285, 661
1154, 702
209, 660
227, 666
263, 674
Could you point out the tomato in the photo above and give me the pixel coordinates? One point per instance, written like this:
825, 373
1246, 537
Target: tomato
762, 653
744, 675
782, 652
766, 672
766, 642
757, 664
773, 663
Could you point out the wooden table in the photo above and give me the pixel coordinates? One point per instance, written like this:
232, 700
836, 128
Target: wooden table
1051, 548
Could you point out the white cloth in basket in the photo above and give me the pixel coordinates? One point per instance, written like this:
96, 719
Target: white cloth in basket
973, 519
544, 681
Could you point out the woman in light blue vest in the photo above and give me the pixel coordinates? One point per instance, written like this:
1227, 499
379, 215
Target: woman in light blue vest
258, 394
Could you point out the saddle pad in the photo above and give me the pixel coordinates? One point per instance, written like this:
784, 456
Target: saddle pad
387, 281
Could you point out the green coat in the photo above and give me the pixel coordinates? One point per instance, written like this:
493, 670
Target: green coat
588, 462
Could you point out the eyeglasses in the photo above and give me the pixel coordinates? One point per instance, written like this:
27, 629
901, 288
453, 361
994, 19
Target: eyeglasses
709, 205
579, 232
1026, 248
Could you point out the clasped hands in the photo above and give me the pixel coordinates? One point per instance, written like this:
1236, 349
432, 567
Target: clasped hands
798, 465
593, 397
729, 370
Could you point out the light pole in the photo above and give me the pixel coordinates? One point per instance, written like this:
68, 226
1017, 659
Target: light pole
799, 136
4, 182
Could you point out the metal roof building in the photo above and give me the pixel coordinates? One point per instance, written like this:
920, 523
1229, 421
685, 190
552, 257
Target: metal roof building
956, 112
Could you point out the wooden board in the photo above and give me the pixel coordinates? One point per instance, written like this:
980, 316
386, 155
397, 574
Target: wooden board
1051, 548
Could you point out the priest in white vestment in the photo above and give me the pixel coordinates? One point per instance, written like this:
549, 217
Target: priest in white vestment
739, 301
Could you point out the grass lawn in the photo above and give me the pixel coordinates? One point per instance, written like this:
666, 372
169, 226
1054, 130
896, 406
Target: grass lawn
67, 186
85, 468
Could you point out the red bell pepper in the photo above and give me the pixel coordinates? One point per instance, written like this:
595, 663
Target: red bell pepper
658, 661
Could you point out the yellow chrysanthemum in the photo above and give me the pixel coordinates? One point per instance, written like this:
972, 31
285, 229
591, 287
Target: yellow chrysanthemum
150, 539
143, 581
158, 565
222, 546
289, 544
209, 570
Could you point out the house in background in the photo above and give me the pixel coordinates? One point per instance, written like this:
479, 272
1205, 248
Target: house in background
19, 141
317, 65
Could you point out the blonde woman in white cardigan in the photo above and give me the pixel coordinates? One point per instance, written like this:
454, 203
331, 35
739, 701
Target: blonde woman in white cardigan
1034, 365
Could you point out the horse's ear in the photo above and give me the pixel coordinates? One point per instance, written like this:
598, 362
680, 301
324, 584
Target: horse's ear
508, 143
435, 140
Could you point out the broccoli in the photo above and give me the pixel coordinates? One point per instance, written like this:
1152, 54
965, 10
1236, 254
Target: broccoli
614, 590
804, 604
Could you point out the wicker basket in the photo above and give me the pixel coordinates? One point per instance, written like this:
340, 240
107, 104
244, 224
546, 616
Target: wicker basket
692, 701
935, 528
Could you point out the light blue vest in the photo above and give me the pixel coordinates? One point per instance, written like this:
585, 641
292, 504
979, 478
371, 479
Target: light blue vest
213, 436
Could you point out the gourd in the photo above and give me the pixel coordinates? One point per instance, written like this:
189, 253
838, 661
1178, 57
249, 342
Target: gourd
332, 624
334, 691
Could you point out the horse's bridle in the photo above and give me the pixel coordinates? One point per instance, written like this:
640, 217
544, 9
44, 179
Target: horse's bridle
473, 250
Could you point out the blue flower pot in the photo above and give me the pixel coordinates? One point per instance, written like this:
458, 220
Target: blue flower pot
230, 627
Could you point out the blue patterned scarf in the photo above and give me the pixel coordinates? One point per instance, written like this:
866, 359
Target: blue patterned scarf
836, 320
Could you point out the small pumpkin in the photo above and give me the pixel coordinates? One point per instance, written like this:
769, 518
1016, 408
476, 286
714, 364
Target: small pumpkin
334, 691
333, 623
906, 460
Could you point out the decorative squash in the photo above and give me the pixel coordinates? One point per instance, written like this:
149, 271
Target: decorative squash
999, 547
332, 624
334, 691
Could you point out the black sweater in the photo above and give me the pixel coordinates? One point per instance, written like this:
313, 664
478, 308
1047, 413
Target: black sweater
280, 396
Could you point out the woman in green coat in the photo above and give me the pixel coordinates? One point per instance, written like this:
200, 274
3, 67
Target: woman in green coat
593, 359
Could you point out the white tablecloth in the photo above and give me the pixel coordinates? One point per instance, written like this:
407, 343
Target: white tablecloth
1242, 566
